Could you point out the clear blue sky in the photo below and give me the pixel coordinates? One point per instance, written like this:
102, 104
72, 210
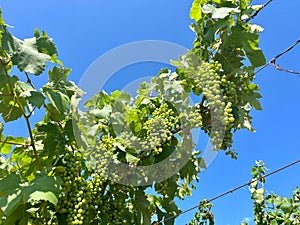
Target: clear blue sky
84, 30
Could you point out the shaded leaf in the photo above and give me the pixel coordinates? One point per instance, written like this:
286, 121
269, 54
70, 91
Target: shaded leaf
9, 183
46, 45
58, 75
10, 44
59, 100
141, 204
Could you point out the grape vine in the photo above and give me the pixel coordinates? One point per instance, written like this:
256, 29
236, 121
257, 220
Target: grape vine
64, 171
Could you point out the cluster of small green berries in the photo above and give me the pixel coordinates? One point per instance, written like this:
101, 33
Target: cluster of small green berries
76, 195
83, 201
228, 114
158, 128
162, 187
208, 79
194, 118
230, 91
230, 123
114, 206
102, 153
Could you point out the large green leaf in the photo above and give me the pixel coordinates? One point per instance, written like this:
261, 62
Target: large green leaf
59, 100
10, 109
14, 193
58, 75
210, 34
10, 44
195, 12
142, 212
9, 183
43, 188
252, 97
34, 97
45, 44
10, 194
16, 216
218, 13
29, 59
240, 38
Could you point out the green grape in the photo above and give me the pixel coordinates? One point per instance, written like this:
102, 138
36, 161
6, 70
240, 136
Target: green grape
208, 79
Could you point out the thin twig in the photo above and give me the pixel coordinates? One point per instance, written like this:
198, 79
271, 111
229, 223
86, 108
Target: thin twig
6, 95
32, 111
29, 80
14, 143
256, 13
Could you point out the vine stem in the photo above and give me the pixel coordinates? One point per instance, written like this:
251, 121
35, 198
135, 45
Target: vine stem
26, 117
13, 143
258, 11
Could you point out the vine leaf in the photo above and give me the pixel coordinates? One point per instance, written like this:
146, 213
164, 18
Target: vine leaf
59, 100
44, 43
14, 193
141, 203
58, 75
252, 97
218, 13
10, 110
195, 12
9, 183
248, 41
34, 97
29, 59
9, 43
210, 34
6, 146
8, 200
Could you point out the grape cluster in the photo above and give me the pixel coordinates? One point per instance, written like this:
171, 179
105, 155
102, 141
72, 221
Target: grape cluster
102, 154
92, 199
230, 122
208, 79
194, 118
230, 91
76, 195
162, 188
159, 129
112, 209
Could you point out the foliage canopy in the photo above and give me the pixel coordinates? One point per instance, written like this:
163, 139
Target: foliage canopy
44, 178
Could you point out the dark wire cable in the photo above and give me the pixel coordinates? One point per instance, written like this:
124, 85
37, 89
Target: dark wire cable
231, 191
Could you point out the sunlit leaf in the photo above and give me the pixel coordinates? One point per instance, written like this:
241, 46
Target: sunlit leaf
29, 59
